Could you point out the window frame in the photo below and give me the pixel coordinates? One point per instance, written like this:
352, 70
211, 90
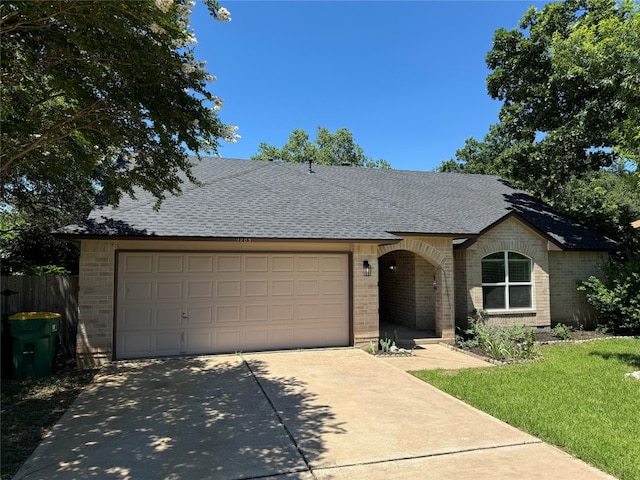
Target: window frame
507, 283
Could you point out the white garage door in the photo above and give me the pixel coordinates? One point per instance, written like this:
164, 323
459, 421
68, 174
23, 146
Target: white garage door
191, 303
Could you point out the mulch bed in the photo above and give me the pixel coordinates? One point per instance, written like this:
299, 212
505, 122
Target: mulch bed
545, 338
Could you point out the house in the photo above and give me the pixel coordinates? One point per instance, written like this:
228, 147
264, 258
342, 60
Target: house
271, 255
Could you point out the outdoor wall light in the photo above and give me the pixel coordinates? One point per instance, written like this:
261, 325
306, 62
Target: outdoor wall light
366, 268
393, 266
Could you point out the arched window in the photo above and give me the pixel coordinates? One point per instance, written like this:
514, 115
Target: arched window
506, 281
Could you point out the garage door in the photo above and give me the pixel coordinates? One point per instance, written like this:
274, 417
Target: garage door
192, 303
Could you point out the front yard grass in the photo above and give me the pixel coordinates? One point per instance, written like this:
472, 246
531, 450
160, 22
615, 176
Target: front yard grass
29, 408
577, 398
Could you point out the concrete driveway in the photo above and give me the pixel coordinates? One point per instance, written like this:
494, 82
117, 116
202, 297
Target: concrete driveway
322, 414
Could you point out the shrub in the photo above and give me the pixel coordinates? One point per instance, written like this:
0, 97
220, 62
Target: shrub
562, 331
616, 298
501, 343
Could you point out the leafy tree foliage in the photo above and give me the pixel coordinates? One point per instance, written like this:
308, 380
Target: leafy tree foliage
569, 78
327, 149
569, 129
98, 97
616, 296
487, 157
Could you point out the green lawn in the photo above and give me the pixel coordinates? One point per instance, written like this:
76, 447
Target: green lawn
577, 398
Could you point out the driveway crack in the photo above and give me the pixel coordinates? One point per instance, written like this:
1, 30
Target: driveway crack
430, 455
280, 419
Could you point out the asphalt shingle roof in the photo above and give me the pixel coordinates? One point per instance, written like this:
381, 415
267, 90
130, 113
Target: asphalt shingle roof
273, 200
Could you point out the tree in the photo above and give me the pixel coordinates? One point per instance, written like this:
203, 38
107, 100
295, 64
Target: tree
569, 78
484, 157
569, 130
102, 94
99, 97
327, 149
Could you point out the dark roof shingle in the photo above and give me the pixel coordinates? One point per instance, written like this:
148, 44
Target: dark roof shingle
273, 200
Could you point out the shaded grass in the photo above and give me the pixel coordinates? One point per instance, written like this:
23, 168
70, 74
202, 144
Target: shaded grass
29, 408
576, 398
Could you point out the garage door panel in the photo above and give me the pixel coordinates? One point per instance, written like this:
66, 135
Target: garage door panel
136, 345
227, 314
308, 312
333, 286
229, 263
172, 303
138, 263
281, 263
199, 315
169, 342
256, 288
170, 263
333, 264
254, 263
282, 288
308, 287
255, 337
199, 263
138, 290
309, 264
333, 311
169, 290
199, 341
199, 289
227, 340
228, 288
256, 313
316, 336
168, 316
284, 312
134, 318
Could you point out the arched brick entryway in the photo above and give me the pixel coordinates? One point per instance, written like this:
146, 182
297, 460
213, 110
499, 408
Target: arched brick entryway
431, 300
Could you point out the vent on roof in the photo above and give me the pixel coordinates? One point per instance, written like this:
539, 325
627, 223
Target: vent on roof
346, 164
310, 162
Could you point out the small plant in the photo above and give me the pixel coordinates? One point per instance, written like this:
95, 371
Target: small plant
386, 344
562, 331
500, 343
372, 348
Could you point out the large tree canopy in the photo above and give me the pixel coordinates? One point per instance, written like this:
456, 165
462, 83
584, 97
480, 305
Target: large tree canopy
569, 78
569, 129
101, 95
327, 149
98, 97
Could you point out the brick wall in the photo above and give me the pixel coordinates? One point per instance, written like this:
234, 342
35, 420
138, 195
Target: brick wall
406, 294
435, 260
515, 236
95, 303
365, 295
568, 305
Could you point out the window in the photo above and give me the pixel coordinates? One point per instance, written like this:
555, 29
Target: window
506, 281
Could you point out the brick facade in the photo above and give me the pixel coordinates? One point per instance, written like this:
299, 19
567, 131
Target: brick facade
407, 296
555, 277
365, 296
432, 289
566, 269
432, 285
510, 235
95, 302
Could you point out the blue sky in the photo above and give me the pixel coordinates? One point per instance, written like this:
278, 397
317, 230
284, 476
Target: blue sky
407, 78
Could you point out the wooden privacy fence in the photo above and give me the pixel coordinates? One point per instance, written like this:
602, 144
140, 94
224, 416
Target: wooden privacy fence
50, 293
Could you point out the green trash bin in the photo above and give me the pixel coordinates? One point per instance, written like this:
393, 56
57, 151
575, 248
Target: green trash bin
34, 336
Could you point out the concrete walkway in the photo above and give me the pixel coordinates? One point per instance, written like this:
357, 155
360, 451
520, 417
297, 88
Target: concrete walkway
321, 414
